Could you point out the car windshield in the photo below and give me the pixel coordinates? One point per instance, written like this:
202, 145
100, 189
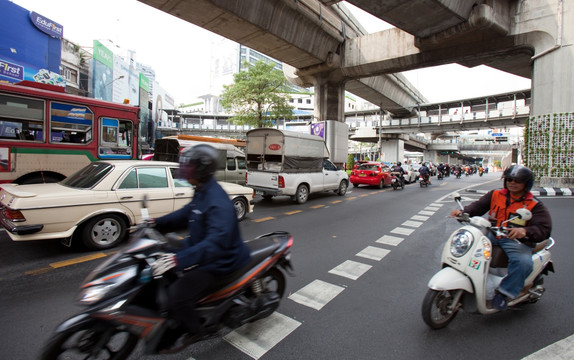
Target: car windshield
369, 167
89, 176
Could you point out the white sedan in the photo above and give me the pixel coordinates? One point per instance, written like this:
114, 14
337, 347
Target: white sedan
411, 173
98, 204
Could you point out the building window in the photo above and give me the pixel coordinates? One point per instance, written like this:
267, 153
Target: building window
308, 101
71, 75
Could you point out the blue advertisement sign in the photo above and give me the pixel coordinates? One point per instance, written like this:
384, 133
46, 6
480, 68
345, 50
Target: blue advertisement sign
31, 46
11, 70
46, 25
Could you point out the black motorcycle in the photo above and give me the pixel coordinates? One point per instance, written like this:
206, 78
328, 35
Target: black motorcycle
126, 304
397, 180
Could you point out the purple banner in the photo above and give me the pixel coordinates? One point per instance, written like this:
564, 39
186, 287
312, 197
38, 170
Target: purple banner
11, 70
318, 129
46, 25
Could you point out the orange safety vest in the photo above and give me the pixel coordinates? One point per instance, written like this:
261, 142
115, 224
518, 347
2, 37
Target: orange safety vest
502, 207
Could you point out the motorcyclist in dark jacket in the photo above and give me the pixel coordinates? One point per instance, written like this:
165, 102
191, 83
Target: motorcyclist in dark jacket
424, 171
399, 169
214, 246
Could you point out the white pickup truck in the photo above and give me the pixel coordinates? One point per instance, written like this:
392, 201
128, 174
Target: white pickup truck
289, 163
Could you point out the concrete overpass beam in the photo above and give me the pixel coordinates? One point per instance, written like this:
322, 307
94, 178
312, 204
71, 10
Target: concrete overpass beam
393, 150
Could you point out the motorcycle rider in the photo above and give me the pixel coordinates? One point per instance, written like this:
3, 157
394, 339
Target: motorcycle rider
398, 168
425, 173
441, 169
213, 248
501, 205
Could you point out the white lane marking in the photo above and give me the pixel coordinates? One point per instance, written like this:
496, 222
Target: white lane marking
350, 269
560, 350
402, 231
436, 204
420, 217
422, 212
431, 208
373, 253
255, 339
317, 294
414, 224
390, 240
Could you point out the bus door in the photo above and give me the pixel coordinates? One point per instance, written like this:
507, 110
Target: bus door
116, 139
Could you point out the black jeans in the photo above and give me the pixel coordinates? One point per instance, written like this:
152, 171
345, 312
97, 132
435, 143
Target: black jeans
184, 293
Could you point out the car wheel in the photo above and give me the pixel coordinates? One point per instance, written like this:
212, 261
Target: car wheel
382, 184
104, 232
240, 208
342, 188
302, 194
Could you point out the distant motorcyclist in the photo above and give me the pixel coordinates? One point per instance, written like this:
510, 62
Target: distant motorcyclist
424, 171
441, 169
399, 169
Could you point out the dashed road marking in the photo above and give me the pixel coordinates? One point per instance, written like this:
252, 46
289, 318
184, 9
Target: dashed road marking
423, 212
350, 269
77, 260
317, 206
256, 339
420, 217
263, 219
390, 240
402, 231
411, 223
373, 253
317, 294
293, 212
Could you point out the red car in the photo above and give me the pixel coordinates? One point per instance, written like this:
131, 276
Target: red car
371, 173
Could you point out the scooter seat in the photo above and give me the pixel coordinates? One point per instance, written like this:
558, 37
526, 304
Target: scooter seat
260, 249
500, 259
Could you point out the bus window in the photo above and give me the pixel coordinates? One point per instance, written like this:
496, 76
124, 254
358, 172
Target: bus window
70, 123
21, 118
115, 139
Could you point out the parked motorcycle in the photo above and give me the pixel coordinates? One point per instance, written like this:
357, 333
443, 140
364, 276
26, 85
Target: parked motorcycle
126, 304
471, 270
397, 181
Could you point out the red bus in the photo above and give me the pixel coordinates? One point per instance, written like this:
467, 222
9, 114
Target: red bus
46, 134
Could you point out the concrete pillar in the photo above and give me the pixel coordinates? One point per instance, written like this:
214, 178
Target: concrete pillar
393, 150
551, 126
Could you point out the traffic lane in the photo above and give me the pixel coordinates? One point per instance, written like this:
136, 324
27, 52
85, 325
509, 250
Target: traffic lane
379, 314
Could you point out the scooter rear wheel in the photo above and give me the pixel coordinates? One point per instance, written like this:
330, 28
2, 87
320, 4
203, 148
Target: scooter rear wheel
438, 309
80, 342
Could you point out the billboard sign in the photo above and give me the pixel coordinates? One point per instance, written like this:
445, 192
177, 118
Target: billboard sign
11, 70
46, 25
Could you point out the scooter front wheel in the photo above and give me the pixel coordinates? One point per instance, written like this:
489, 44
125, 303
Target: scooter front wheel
90, 339
438, 308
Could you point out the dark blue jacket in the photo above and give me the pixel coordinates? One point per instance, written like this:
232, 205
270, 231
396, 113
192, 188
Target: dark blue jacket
214, 243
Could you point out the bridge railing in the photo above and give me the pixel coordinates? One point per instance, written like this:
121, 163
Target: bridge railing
374, 120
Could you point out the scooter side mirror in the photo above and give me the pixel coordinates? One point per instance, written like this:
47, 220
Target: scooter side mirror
524, 214
456, 197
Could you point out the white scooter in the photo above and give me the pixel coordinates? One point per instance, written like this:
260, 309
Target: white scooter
471, 269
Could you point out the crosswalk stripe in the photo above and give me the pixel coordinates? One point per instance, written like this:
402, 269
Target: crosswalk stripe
411, 223
420, 217
423, 212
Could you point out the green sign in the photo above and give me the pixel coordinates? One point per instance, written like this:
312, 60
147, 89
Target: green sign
144, 82
103, 54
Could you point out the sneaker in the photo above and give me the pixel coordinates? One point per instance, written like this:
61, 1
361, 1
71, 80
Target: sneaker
499, 301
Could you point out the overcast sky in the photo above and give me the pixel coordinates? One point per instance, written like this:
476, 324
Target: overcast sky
170, 45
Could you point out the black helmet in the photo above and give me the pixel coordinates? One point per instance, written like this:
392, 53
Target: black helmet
198, 162
521, 174
399, 163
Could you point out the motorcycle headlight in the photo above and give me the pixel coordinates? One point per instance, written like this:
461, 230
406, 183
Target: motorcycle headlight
99, 288
461, 243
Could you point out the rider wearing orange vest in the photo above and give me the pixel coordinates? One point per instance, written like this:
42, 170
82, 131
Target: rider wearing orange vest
522, 236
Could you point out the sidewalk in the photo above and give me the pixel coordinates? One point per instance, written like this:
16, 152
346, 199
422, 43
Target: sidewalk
541, 191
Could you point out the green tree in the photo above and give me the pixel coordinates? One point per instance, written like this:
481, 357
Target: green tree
257, 96
350, 162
